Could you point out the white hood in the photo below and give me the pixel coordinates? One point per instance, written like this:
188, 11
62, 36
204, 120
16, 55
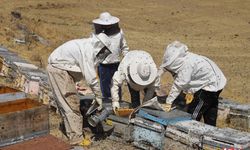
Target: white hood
174, 56
194, 72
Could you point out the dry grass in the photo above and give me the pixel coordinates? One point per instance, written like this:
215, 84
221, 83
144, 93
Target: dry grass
217, 29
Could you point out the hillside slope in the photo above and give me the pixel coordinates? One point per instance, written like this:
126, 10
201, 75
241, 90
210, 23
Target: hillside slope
219, 30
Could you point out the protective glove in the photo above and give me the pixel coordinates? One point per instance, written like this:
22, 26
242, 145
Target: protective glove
189, 98
99, 102
115, 106
167, 107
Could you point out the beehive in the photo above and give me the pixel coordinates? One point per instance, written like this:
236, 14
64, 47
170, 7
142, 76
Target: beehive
21, 119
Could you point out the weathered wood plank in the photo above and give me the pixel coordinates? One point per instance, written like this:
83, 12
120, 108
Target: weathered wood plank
21, 120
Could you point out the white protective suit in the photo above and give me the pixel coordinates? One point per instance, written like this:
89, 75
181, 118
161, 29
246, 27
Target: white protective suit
119, 46
75, 56
122, 75
78, 56
193, 72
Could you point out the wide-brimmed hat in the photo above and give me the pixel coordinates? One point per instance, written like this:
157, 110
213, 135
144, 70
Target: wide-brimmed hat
143, 70
105, 18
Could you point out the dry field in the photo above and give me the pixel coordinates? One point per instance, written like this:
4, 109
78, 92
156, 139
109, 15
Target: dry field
218, 29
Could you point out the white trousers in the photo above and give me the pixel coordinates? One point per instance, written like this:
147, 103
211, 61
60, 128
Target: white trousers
67, 101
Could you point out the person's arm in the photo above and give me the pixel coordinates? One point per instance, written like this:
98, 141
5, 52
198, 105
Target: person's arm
180, 83
124, 46
117, 81
87, 66
173, 94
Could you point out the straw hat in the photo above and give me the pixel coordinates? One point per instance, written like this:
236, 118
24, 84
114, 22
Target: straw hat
105, 18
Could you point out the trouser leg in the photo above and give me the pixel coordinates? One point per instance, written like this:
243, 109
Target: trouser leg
135, 97
205, 104
67, 101
105, 73
210, 116
103, 76
195, 106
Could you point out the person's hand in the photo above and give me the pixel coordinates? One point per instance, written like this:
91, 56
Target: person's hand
167, 107
115, 106
189, 98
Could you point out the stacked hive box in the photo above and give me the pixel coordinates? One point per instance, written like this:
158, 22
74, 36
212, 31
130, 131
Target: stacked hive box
21, 118
45, 93
239, 117
234, 115
7, 59
25, 76
199, 135
185, 134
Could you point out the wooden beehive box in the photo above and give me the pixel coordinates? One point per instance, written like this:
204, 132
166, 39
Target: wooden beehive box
239, 117
8, 69
9, 94
234, 115
202, 136
147, 134
44, 92
21, 120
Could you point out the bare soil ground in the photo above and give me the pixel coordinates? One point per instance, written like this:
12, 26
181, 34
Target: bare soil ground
218, 29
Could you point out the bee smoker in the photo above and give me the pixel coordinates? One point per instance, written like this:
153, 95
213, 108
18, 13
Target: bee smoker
96, 117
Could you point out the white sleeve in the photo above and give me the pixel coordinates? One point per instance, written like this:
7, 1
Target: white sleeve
116, 82
124, 46
180, 83
89, 72
173, 94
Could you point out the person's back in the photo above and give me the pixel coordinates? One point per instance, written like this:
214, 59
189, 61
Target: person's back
139, 70
198, 77
205, 74
74, 59
68, 54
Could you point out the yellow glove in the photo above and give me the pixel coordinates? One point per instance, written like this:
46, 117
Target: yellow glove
189, 98
166, 107
85, 142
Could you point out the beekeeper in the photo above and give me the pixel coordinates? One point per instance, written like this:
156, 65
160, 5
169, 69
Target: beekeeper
198, 77
108, 24
76, 56
139, 70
